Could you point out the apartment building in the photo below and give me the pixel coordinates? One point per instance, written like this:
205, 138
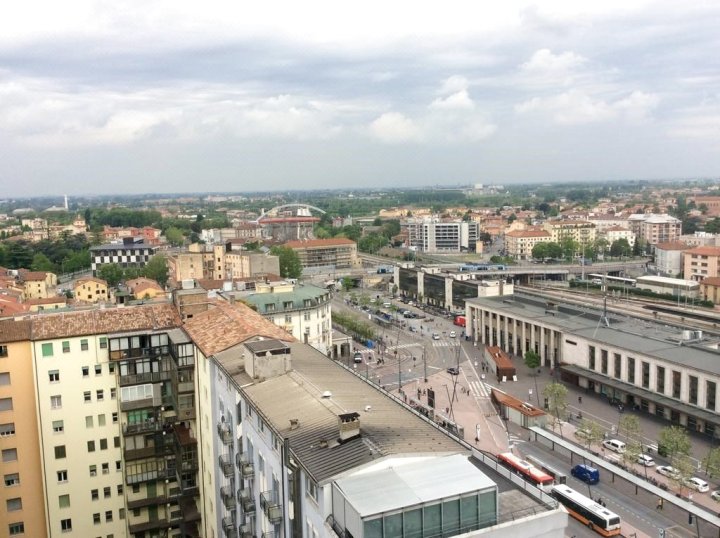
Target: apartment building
582, 232
91, 290
37, 284
652, 229
669, 258
701, 262
301, 310
334, 253
21, 492
615, 233
131, 252
221, 263
441, 235
520, 243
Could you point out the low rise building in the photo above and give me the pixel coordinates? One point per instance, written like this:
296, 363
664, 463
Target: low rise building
335, 253
519, 244
580, 231
669, 258
701, 262
91, 290
710, 289
131, 252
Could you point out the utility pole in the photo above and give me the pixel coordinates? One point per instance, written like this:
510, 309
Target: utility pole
424, 365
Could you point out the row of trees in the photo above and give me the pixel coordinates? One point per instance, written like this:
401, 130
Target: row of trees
568, 248
69, 253
156, 269
379, 237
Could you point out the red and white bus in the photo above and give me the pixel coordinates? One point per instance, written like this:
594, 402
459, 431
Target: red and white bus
587, 511
532, 474
459, 321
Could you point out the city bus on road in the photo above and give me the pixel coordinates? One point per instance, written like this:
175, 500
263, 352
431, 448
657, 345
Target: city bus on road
459, 321
532, 474
587, 511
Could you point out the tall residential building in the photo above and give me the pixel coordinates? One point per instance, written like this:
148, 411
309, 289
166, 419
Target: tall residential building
701, 262
651, 229
582, 232
131, 252
330, 254
435, 235
520, 243
22, 510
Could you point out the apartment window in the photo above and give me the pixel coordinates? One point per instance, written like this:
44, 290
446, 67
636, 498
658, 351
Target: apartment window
136, 488
119, 489
288, 318
91, 446
645, 375
604, 361
16, 528
94, 494
62, 476
6, 404
4, 378
710, 390
311, 489
100, 395
121, 513
64, 501
84, 345
65, 346
8, 429
103, 342
3, 351
54, 376
93, 470
693, 390
116, 441
85, 371
111, 368
98, 369
118, 465
107, 492
631, 370
96, 518
101, 420
105, 468
114, 418
676, 384
113, 393
136, 512
58, 426
56, 402
47, 350
87, 396
60, 452
103, 444
13, 505
108, 516
591, 357
617, 365
306, 316
660, 382
89, 421
9, 454
12, 479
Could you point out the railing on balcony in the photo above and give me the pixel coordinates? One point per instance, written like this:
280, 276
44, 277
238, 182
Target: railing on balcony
225, 465
247, 501
247, 467
147, 426
269, 534
270, 503
228, 523
246, 531
228, 497
225, 433
139, 352
146, 377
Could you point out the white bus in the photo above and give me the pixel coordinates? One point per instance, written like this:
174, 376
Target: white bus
587, 511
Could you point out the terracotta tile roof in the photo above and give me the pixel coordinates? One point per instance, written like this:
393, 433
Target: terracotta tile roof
140, 288
528, 233
311, 243
226, 325
14, 330
10, 307
34, 275
672, 245
90, 279
704, 251
47, 300
110, 320
710, 281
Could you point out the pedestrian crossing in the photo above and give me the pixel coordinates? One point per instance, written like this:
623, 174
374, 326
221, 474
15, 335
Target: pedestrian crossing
445, 343
479, 389
403, 346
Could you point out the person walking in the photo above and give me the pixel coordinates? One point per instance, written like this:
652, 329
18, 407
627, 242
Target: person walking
659, 505
580, 399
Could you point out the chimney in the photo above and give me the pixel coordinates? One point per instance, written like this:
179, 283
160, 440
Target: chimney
349, 424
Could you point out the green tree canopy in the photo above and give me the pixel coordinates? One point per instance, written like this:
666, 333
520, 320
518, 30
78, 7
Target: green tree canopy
290, 266
674, 440
556, 394
174, 236
532, 359
620, 247
41, 262
157, 269
112, 273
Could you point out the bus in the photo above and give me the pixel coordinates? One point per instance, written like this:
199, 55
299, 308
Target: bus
597, 278
587, 511
532, 474
459, 321
558, 477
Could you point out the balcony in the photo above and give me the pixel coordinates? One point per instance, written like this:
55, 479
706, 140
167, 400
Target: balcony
225, 433
247, 501
228, 498
270, 503
140, 379
247, 467
228, 524
147, 426
246, 531
138, 353
226, 465
148, 501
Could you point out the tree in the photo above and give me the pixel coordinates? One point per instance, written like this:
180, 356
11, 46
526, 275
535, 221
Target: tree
590, 432
532, 359
157, 269
711, 462
629, 425
41, 262
556, 395
685, 469
347, 283
620, 247
674, 441
290, 266
174, 236
112, 273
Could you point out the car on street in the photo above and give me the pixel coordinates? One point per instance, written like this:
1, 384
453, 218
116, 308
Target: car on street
436, 336
698, 484
587, 474
667, 470
715, 495
453, 370
357, 357
645, 460
615, 445
452, 334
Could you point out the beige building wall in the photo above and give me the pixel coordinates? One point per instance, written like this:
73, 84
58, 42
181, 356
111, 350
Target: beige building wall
80, 437
203, 410
20, 461
701, 262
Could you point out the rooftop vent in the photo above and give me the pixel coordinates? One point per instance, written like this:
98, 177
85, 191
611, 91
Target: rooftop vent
349, 425
294, 424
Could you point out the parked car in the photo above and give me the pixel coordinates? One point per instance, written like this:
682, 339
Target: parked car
357, 357
715, 495
453, 370
667, 470
452, 334
698, 484
436, 336
644, 459
587, 474
615, 445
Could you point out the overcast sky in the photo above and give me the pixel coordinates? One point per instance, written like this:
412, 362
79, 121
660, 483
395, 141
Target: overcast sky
174, 96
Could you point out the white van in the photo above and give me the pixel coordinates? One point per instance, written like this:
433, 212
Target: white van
614, 445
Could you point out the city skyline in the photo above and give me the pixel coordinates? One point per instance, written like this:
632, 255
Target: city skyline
169, 97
